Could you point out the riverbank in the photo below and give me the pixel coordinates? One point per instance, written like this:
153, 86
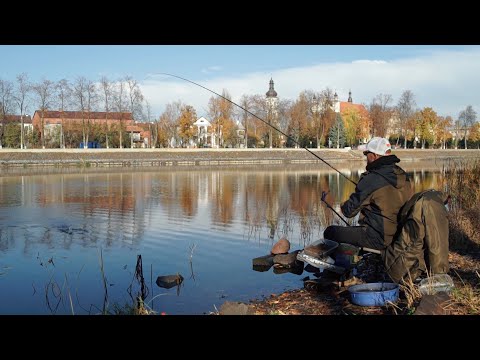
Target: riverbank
207, 157
334, 299
464, 263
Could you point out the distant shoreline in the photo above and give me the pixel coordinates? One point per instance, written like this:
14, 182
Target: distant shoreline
207, 157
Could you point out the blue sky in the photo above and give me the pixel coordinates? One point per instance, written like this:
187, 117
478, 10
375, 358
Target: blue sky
443, 77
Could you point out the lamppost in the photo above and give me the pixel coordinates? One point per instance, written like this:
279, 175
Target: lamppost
271, 102
315, 111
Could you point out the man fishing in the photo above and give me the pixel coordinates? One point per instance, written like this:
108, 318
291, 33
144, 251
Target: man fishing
379, 195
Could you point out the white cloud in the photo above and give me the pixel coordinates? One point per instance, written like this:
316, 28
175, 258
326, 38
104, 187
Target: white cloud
369, 62
444, 80
211, 69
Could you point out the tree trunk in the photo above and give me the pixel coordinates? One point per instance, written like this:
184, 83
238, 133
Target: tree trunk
21, 131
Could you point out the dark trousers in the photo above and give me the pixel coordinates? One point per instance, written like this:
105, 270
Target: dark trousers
354, 235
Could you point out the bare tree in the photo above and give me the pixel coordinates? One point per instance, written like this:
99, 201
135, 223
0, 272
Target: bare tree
91, 104
6, 104
259, 108
283, 117
64, 93
106, 87
467, 118
245, 102
136, 98
153, 129
21, 98
406, 108
319, 112
79, 92
119, 99
214, 112
44, 92
457, 126
380, 114
327, 114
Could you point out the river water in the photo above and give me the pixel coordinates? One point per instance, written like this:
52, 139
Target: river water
70, 239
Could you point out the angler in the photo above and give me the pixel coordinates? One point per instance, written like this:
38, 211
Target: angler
379, 195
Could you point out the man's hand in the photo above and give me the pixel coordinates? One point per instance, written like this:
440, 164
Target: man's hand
324, 195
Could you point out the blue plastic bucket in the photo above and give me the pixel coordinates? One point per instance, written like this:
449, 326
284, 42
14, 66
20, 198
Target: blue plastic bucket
373, 294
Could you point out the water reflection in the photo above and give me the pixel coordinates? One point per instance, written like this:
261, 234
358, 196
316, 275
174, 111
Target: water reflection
228, 217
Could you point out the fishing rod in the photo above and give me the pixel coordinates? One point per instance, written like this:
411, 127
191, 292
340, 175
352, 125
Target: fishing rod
324, 195
265, 122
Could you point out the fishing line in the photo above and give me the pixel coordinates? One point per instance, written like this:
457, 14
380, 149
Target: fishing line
265, 122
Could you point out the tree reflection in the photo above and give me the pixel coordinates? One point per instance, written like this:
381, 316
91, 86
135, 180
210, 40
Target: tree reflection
119, 208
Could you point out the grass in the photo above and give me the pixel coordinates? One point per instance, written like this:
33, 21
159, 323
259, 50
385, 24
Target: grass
465, 299
137, 308
462, 182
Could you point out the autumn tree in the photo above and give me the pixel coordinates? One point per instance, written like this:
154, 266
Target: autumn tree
444, 123
467, 118
353, 120
221, 114
229, 133
299, 119
185, 124
167, 124
318, 103
475, 133
426, 127
321, 115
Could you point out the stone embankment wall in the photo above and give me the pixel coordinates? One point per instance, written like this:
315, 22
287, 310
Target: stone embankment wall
207, 157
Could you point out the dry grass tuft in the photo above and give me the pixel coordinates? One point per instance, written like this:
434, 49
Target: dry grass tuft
465, 299
411, 292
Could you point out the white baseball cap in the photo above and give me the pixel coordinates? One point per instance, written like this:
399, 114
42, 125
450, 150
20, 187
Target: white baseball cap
377, 145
